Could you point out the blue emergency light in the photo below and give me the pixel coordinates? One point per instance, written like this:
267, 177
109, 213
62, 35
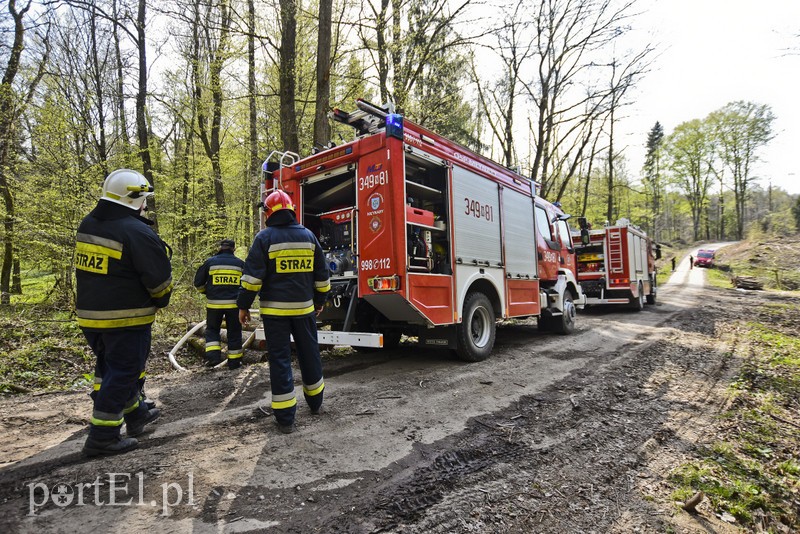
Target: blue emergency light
394, 125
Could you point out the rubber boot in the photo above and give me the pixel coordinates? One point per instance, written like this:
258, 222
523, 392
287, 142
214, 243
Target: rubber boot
115, 445
137, 427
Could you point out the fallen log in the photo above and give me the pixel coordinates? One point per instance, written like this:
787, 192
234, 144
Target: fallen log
747, 282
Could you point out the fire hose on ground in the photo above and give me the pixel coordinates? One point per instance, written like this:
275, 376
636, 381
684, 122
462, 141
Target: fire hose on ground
172, 354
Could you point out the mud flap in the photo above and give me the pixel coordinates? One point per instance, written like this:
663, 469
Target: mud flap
440, 337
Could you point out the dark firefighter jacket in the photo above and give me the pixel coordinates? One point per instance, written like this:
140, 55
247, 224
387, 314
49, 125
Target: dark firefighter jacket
286, 267
219, 278
122, 269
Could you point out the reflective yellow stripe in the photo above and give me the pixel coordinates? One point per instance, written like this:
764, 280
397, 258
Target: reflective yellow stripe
225, 271
278, 405
97, 240
250, 287
98, 249
284, 312
103, 422
236, 268
234, 355
221, 306
290, 252
162, 292
315, 391
116, 323
202, 289
106, 419
129, 409
142, 374
96, 387
323, 287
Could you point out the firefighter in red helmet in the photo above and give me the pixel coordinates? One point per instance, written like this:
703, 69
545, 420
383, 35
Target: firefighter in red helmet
286, 268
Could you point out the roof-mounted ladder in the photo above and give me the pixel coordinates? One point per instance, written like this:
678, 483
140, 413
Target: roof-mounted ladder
615, 256
368, 119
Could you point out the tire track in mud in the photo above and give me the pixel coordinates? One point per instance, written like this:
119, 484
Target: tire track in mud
436, 495
505, 463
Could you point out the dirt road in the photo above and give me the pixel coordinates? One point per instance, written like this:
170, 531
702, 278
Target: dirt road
551, 434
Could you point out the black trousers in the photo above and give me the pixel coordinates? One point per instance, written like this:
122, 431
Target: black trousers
214, 317
121, 359
277, 331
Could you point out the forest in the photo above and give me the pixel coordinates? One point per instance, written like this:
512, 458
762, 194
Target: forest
195, 94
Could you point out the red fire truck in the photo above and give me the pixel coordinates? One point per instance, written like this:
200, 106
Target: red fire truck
616, 264
425, 238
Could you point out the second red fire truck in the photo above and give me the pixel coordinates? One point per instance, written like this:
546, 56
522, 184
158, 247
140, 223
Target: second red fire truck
616, 264
426, 238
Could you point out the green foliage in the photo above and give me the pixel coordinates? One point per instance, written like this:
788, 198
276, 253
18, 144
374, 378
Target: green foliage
755, 467
41, 354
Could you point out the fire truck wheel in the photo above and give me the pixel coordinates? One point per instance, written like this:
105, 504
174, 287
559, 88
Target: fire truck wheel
477, 329
565, 323
637, 303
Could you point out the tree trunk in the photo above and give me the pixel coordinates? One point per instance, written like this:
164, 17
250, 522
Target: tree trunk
16, 277
380, 41
121, 117
322, 128
141, 105
589, 175
215, 73
97, 78
721, 211
286, 76
185, 226
395, 51
7, 119
610, 198
251, 214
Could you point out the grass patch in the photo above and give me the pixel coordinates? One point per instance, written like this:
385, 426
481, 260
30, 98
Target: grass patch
43, 349
754, 471
36, 287
774, 263
44, 353
717, 278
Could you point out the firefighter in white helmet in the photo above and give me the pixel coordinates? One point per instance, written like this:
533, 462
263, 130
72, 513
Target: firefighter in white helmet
123, 273
286, 267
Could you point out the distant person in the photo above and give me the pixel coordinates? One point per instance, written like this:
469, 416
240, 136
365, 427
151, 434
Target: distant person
123, 275
286, 267
218, 278
691, 262
673, 264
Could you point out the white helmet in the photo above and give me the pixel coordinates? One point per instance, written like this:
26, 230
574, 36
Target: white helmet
128, 188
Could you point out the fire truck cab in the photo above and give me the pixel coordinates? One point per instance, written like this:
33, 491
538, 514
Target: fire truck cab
427, 239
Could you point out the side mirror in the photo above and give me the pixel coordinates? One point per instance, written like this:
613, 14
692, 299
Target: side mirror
584, 236
658, 252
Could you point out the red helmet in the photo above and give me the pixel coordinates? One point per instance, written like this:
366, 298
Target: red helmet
276, 201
